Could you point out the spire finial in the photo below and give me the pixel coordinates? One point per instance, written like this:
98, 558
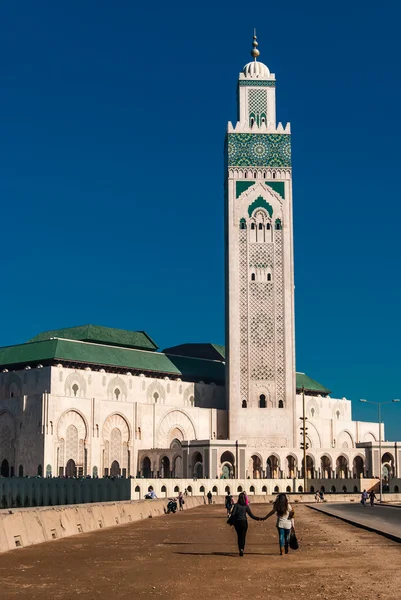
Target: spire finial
255, 52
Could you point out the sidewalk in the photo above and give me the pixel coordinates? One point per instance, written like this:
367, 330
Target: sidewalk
378, 518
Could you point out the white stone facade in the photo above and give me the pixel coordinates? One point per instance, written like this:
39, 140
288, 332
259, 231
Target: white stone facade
89, 420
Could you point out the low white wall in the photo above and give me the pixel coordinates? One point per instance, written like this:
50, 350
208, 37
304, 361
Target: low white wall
27, 526
31, 492
253, 487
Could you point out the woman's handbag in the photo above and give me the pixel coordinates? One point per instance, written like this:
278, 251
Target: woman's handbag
293, 540
232, 518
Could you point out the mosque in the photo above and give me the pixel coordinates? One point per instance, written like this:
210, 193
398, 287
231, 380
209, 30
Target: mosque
95, 401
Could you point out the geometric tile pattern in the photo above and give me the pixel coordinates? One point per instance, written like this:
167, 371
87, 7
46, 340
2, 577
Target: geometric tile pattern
257, 105
257, 83
279, 297
261, 317
243, 314
259, 149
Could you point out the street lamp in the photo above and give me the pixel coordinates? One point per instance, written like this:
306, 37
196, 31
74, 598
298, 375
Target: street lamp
379, 405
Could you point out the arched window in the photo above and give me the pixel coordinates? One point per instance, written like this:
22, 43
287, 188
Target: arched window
269, 277
278, 225
155, 397
264, 174
252, 225
242, 224
260, 225
252, 121
338, 415
253, 277
245, 175
244, 404
262, 401
117, 393
280, 404
274, 176
75, 389
312, 412
268, 226
254, 175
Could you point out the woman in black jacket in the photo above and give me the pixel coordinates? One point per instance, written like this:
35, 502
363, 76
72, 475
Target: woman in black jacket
239, 519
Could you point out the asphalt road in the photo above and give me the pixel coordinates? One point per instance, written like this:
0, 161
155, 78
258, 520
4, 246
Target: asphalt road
379, 518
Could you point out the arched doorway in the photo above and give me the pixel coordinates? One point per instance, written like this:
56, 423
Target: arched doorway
197, 465
257, 470
326, 467
357, 466
115, 470
291, 466
227, 465
272, 467
342, 467
146, 470
177, 466
310, 467
387, 466
5, 468
165, 467
71, 469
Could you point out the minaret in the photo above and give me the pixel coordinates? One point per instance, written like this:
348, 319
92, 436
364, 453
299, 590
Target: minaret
259, 266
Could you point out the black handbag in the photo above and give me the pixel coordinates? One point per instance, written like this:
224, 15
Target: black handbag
232, 518
293, 540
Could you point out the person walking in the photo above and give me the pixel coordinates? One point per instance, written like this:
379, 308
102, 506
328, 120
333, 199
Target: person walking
209, 497
364, 497
181, 501
228, 501
285, 521
372, 497
238, 518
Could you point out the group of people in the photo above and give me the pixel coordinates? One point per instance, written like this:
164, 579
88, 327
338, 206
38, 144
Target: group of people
238, 513
365, 496
319, 496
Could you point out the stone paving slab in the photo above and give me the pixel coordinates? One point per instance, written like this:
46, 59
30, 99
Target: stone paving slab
378, 518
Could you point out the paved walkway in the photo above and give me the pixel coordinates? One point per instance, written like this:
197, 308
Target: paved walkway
192, 556
382, 519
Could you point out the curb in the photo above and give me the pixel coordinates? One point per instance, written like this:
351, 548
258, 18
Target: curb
390, 536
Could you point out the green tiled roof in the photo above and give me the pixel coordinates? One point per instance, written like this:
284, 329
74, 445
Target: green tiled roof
69, 351
208, 351
101, 335
310, 385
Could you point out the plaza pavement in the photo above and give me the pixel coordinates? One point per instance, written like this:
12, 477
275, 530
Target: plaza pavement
382, 519
193, 556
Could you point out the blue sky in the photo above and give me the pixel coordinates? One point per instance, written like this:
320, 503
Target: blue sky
112, 122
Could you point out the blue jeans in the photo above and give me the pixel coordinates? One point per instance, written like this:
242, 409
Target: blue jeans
283, 536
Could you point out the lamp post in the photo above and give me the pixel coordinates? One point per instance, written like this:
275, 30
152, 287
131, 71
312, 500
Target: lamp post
304, 445
379, 405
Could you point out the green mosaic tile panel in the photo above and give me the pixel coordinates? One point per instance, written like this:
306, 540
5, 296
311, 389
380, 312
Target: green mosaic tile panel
260, 203
242, 186
277, 186
256, 83
259, 149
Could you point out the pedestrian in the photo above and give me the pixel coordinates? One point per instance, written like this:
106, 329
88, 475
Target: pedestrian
285, 521
246, 499
228, 501
321, 494
238, 518
209, 497
364, 497
181, 501
317, 497
372, 497
185, 492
